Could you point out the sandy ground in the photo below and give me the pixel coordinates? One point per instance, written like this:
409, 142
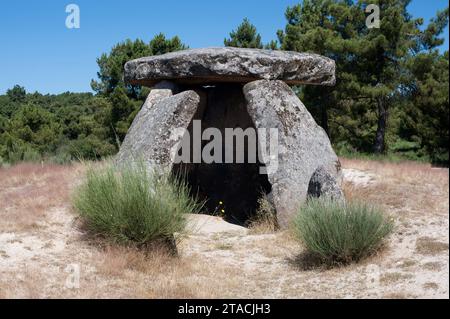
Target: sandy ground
45, 254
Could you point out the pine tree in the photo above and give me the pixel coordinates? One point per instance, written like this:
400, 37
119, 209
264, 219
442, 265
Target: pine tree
369, 63
17, 94
331, 28
426, 110
245, 36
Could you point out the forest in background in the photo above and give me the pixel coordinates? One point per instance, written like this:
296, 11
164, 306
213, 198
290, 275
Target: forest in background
391, 98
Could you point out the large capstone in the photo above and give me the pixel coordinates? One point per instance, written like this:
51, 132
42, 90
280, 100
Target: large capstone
229, 88
214, 65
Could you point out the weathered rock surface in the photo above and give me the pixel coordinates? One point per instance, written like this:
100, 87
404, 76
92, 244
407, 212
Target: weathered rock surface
159, 92
153, 137
213, 65
323, 184
303, 146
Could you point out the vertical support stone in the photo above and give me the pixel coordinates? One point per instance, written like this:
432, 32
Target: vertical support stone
158, 129
303, 146
160, 91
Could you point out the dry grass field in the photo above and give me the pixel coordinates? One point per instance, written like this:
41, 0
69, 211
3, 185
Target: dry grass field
45, 253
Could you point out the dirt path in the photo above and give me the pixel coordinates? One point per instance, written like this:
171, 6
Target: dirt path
49, 256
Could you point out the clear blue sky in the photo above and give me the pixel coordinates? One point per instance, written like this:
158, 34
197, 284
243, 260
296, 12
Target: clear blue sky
40, 53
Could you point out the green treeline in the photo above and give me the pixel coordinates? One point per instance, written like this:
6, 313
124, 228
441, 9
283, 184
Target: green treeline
391, 96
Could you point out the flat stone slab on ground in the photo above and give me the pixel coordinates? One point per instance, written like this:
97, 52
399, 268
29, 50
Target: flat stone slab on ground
207, 224
212, 65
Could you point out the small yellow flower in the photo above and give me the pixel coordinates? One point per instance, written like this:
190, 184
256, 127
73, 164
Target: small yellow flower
220, 203
223, 211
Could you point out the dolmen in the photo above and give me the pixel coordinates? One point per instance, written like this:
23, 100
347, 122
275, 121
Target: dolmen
227, 120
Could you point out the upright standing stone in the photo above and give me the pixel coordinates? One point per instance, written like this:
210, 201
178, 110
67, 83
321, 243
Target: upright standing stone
158, 93
151, 137
303, 146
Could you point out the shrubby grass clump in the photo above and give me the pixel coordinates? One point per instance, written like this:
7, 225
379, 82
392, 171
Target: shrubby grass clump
130, 205
339, 232
265, 219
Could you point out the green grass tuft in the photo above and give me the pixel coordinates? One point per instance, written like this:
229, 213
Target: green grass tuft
130, 205
340, 232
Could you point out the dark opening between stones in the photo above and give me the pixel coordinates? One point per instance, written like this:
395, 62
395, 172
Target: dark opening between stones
237, 186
